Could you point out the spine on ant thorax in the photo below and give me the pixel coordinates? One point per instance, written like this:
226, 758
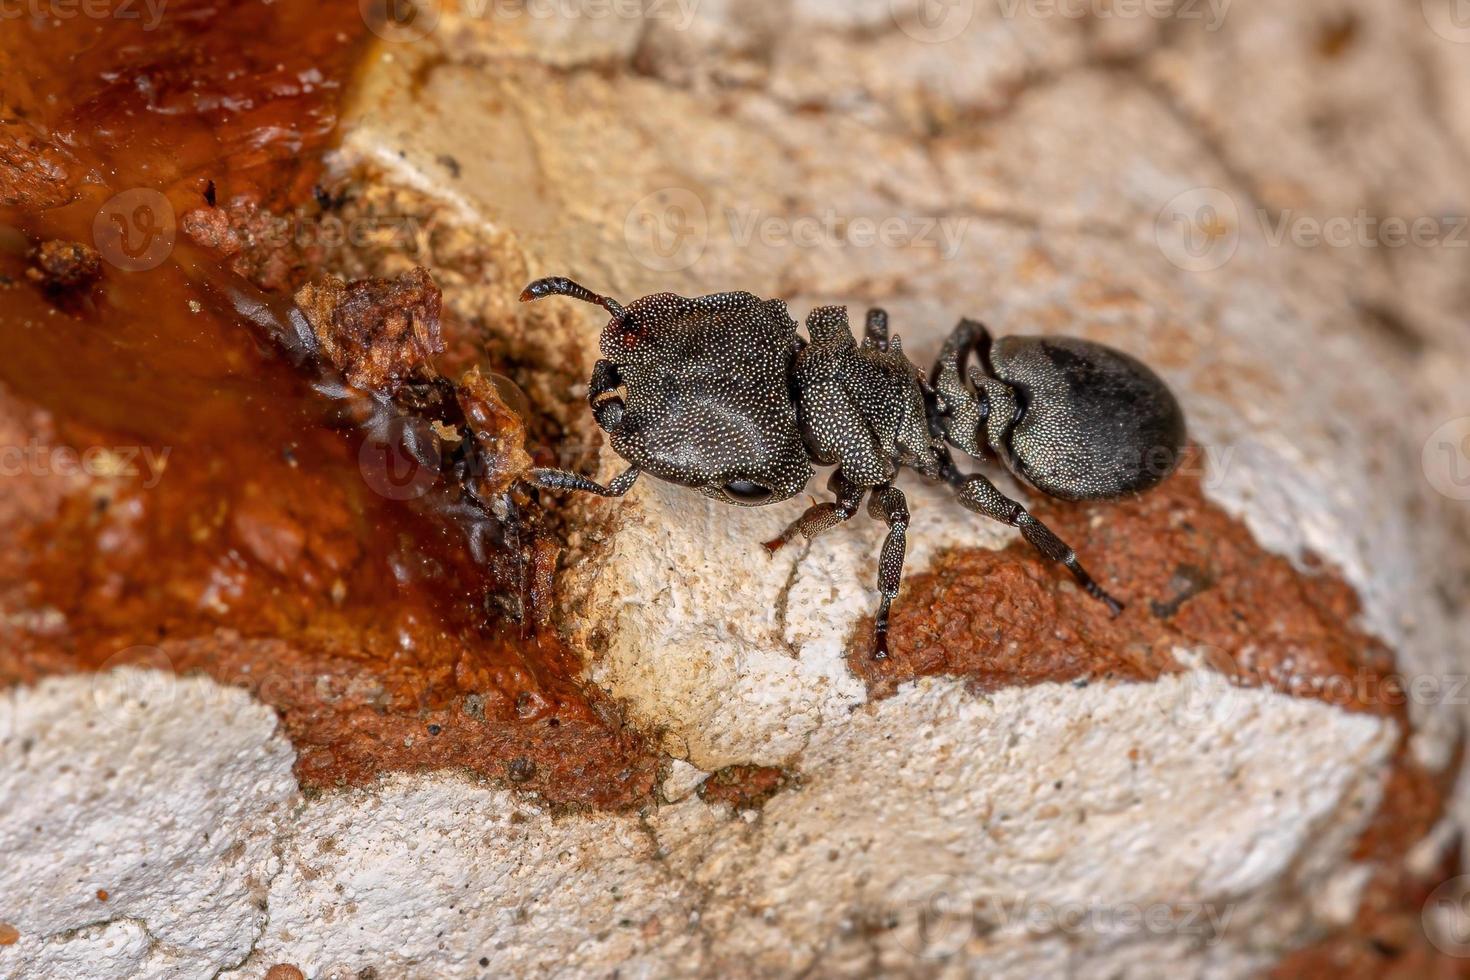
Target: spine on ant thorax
860, 405
973, 412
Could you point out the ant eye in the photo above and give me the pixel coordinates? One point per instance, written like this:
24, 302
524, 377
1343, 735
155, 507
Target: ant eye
629, 332
747, 492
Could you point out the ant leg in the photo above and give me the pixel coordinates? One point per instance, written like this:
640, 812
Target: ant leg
562, 480
822, 517
887, 504
980, 495
875, 334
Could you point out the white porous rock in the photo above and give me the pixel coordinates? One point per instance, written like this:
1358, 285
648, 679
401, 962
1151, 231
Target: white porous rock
985, 847
138, 817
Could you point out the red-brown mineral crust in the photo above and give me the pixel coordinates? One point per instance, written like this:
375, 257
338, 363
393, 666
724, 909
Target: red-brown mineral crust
378, 332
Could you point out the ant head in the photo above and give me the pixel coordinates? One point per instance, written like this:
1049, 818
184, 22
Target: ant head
695, 390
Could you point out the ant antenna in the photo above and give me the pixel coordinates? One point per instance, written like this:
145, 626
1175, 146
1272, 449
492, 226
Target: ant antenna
562, 286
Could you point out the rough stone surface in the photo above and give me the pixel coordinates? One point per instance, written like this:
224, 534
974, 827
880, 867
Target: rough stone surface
1003, 214
984, 808
139, 826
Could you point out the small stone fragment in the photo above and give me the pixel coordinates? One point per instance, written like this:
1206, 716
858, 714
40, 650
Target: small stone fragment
9, 935
1187, 582
500, 434
744, 787
474, 706
277, 252
34, 172
63, 267
380, 333
521, 769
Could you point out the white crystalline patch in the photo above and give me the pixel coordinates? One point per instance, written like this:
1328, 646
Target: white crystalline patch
1047, 810
1220, 805
424, 876
165, 794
